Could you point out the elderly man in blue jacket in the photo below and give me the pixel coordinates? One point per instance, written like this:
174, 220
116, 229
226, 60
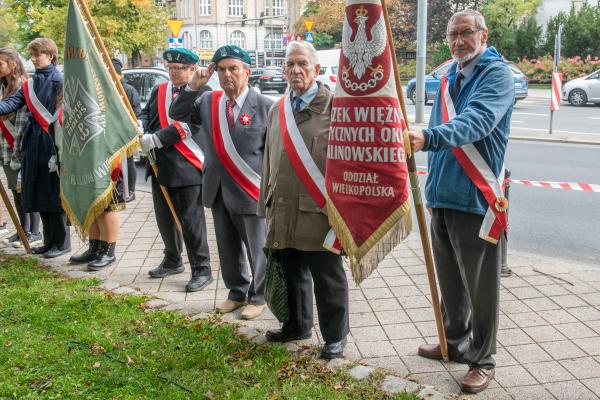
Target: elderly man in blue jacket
466, 140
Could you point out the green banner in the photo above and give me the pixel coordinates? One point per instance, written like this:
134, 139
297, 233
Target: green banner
97, 128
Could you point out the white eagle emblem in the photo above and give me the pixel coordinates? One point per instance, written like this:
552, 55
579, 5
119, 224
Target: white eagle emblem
361, 51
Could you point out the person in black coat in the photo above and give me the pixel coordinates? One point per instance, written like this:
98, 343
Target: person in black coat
177, 149
39, 176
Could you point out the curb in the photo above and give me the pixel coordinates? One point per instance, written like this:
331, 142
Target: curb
557, 140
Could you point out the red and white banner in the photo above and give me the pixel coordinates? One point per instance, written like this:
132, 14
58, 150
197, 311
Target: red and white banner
366, 174
8, 131
187, 146
477, 169
240, 171
41, 115
304, 165
556, 95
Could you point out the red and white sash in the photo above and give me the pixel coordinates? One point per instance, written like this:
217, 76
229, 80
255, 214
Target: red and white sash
40, 113
8, 131
477, 169
235, 165
187, 146
304, 165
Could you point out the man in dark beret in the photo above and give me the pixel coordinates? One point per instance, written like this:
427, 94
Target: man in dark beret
234, 122
178, 150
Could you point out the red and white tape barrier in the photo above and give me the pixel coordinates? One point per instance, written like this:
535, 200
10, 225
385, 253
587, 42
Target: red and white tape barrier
580, 187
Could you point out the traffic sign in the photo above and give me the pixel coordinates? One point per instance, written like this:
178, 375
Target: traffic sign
175, 42
174, 26
309, 37
309, 25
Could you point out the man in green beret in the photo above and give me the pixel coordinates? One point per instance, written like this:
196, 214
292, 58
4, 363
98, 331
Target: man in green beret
177, 149
234, 122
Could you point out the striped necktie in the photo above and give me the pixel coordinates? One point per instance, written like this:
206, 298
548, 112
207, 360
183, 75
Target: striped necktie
229, 113
298, 104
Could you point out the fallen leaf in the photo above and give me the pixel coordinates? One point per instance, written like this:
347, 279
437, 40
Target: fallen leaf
208, 394
129, 360
96, 364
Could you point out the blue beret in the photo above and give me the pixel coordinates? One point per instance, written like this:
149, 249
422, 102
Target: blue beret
231, 51
181, 56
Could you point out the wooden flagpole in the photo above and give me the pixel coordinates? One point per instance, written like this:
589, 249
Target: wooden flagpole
117, 79
416, 191
15, 219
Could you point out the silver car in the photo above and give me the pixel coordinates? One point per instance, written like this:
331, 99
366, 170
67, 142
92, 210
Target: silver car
583, 90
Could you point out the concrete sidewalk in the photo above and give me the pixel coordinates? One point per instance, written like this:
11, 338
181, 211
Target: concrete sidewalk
549, 339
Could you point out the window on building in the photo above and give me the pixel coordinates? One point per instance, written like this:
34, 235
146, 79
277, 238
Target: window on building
187, 40
206, 40
185, 9
238, 38
236, 7
274, 41
160, 3
277, 7
204, 8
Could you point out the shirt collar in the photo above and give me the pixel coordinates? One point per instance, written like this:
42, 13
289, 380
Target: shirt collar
309, 95
241, 98
467, 71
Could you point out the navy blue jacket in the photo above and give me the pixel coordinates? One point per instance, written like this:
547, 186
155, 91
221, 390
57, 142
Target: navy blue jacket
483, 111
40, 188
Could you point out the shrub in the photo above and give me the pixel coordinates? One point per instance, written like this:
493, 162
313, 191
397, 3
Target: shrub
540, 70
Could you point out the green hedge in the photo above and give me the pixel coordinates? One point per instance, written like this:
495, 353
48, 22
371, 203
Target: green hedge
540, 70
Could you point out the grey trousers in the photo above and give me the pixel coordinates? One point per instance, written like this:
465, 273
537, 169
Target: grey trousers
331, 292
233, 233
468, 270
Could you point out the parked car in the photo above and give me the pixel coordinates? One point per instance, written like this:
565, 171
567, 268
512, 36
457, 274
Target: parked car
328, 76
144, 79
581, 91
433, 80
268, 78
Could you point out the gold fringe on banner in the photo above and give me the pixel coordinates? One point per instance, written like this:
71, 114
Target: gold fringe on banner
105, 199
365, 259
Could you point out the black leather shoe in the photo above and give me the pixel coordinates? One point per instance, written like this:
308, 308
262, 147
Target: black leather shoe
198, 283
56, 252
163, 270
279, 336
89, 255
106, 256
334, 350
41, 249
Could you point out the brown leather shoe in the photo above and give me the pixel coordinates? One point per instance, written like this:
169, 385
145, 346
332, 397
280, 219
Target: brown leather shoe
476, 380
432, 351
230, 305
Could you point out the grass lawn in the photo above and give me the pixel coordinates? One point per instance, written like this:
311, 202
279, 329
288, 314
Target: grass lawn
63, 339
540, 86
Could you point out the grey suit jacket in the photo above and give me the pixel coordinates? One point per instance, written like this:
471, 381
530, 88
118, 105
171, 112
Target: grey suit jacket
249, 141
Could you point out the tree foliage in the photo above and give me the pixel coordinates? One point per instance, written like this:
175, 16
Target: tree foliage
581, 31
126, 26
8, 26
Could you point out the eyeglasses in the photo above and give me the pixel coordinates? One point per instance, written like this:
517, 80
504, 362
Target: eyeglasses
465, 35
176, 68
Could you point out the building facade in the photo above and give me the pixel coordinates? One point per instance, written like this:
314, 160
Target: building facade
209, 24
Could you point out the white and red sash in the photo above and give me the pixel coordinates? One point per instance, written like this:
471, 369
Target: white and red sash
480, 173
235, 165
40, 113
8, 131
304, 165
187, 146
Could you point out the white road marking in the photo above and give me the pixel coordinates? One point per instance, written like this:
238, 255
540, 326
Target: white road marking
532, 114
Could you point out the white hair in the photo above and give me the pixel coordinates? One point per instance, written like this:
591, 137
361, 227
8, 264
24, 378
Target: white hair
303, 46
479, 19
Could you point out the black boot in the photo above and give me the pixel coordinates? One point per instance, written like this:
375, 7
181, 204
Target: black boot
106, 256
89, 255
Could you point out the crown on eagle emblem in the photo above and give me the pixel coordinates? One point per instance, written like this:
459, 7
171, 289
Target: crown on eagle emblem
361, 12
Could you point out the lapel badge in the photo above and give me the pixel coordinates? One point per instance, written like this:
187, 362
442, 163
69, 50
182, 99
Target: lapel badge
245, 119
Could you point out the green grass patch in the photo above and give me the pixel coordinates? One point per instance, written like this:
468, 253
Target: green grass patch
62, 339
540, 86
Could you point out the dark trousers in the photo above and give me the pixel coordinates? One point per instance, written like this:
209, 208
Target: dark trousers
56, 232
326, 270
30, 222
468, 270
233, 232
131, 176
187, 202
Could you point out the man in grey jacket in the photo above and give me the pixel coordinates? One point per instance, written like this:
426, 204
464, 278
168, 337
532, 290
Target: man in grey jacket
296, 218
234, 123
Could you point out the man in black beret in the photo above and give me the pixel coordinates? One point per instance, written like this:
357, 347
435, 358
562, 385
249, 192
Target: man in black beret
178, 150
234, 122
